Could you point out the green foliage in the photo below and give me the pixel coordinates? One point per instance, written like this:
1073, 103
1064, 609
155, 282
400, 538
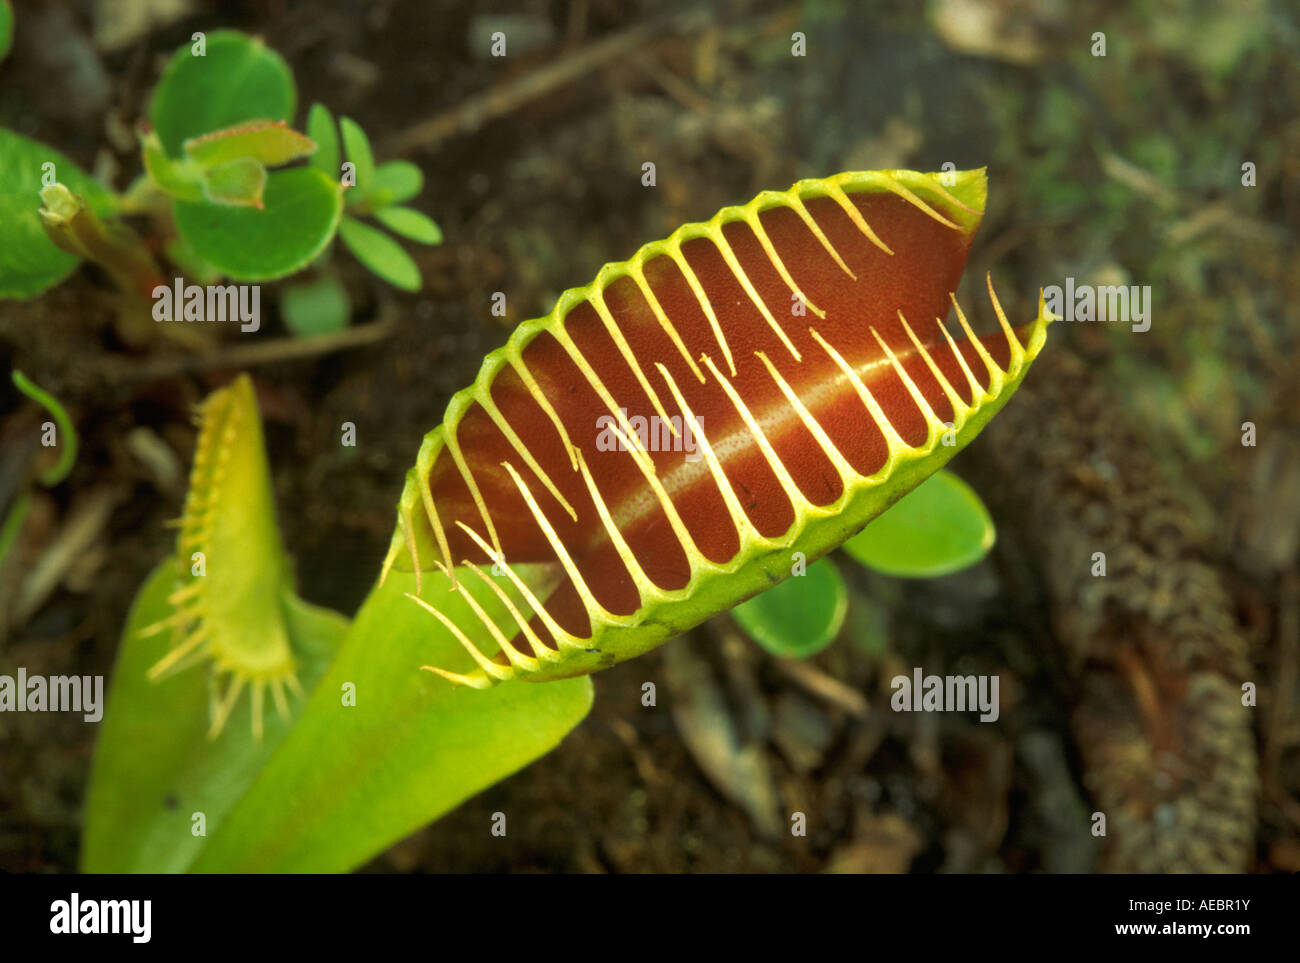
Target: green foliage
373, 190
397, 181
174, 178
300, 212
219, 120
67, 435
380, 253
66, 430
236, 183
226, 167
357, 147
939, 527
237, 79
410, 223
315, 307
155, 765
378, 749
321, 129
29, 261
350, 781
267, 142
328, 790
800, 616
337, 784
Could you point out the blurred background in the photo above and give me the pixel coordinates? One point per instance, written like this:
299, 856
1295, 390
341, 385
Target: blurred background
1120, 695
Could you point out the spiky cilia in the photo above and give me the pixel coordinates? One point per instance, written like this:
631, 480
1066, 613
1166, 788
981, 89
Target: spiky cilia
233, 576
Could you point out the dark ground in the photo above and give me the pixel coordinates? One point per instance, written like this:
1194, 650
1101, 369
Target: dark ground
1122, 167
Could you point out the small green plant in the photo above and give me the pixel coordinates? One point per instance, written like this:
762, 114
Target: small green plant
224, 192
544, 533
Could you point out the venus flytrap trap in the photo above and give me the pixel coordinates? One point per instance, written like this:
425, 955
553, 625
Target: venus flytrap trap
815, 423
527, 550
216, 626
232, 572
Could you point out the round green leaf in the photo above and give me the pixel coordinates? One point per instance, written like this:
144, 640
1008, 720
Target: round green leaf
237, 79
799, 617
301, 210
397, 181
29, 261
315, 307
939, 527
380, 253
409, 222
